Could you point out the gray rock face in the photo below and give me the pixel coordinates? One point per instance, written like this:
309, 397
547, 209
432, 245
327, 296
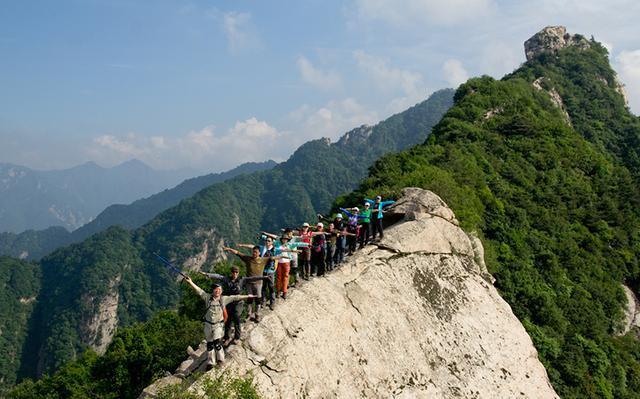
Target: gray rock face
631, 313
411, 317
552, 39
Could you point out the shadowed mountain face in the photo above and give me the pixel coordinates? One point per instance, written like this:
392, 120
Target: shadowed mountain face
32, 199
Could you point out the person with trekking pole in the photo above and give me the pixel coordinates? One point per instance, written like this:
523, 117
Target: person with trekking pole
215, 318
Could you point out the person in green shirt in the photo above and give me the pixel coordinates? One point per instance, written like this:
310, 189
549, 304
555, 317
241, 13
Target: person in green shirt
365, 225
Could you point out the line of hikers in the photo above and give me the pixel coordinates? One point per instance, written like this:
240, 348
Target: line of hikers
303, 252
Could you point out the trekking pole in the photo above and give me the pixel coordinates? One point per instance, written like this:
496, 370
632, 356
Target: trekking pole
170, 265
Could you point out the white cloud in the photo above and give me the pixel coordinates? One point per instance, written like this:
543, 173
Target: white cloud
389, 79
316, 77
331, 120
629, 69
499, 58
240, 32
454, 72
205, 149
412, 13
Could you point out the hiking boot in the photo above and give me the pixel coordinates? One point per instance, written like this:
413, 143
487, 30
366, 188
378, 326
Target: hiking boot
209, 366
284, 295
256, 319
271, 306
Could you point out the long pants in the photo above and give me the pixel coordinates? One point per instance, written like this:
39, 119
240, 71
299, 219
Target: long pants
282, 281
215, 351
352, 240
364, 234
294, 270
338, 256
304, 262
331, 252
234, 311
254, 288
268, 289
377, 228
317, 261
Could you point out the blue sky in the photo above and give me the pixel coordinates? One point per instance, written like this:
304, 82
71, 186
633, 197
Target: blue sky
210, 84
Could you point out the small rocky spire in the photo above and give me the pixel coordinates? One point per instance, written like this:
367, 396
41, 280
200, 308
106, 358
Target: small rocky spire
552, 39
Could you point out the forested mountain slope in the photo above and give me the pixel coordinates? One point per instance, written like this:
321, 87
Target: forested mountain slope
112, 278
19, 288
34, 244
544, 165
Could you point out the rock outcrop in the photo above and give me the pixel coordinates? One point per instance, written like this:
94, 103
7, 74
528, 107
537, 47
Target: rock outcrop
550, 40
412, 316
631, 313
99, 324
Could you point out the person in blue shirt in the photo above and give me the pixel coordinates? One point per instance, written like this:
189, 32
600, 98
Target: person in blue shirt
377, 211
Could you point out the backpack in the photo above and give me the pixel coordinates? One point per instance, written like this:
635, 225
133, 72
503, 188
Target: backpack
225, 315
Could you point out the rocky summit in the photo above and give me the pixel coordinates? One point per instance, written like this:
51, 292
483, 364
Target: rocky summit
413, 316
552, 39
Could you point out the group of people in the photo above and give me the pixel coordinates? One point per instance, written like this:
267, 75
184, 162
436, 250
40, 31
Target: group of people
304, 252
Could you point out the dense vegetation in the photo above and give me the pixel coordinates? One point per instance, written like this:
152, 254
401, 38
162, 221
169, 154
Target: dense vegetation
120, 263
35, 244
136, 357
19, 287
556, 203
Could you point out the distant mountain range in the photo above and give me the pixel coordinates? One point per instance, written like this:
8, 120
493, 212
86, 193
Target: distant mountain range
70, 198
34, 244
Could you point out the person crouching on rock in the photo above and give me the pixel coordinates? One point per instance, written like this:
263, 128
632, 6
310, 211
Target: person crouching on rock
214, 319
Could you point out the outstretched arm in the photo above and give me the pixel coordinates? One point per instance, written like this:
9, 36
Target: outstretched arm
233, 251
245, 245
234, 298
212, 276
346, 212
269, 234
197, 289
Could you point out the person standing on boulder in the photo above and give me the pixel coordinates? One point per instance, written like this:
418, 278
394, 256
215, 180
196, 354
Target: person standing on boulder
233, 285
352, 227
377, 213
363, 238
304, 260
255, 266
284, 264
318, 250
214, 319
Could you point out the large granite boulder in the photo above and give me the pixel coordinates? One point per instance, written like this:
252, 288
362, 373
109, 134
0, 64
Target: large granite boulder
413, 316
